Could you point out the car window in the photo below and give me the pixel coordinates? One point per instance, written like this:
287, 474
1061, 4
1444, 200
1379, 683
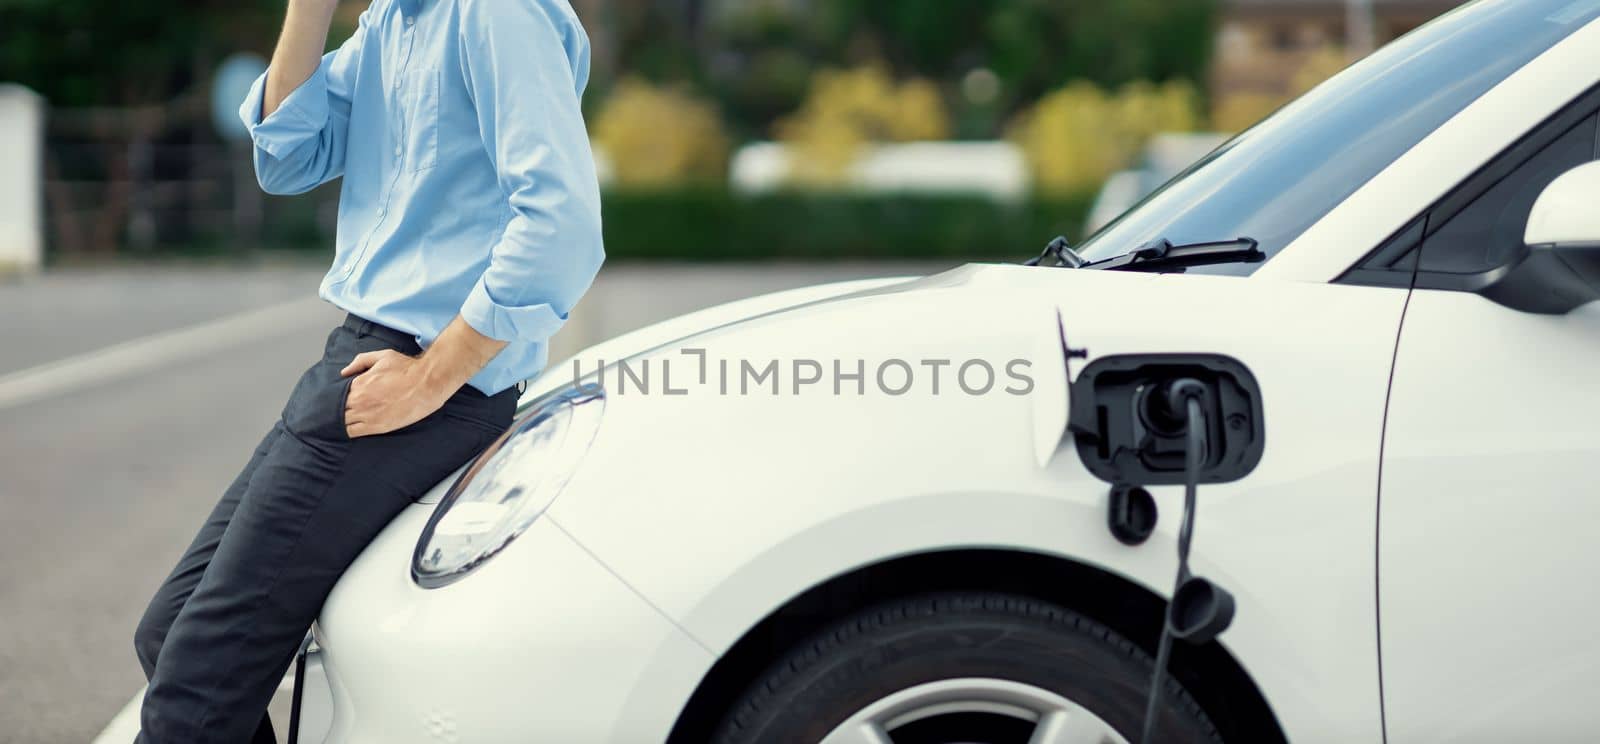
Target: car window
1279, 177
1489, 230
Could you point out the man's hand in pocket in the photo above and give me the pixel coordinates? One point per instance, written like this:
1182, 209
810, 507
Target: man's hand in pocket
390, 391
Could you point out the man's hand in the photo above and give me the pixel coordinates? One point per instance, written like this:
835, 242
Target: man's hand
393, 390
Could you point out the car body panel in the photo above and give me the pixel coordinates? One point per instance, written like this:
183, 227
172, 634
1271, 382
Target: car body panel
718, 541
1490, 531
552, 660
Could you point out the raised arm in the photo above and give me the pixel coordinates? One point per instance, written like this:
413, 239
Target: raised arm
298, 113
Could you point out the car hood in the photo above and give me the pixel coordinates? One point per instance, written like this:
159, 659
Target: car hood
996, 312
672, 331
683, 327
968, 310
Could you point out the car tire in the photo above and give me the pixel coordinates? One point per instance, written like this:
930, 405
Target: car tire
945, 646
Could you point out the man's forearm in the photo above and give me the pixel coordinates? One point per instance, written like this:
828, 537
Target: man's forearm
457, 354
305, 34
393, 390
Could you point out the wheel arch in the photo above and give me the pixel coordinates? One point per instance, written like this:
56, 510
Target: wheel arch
1210, 673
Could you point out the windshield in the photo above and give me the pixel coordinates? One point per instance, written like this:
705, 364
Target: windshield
1282, 175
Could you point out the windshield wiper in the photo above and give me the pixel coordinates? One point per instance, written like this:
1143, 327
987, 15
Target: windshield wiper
1161, 255
1059, 250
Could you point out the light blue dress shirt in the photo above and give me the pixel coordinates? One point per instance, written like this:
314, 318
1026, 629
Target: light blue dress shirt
469, 187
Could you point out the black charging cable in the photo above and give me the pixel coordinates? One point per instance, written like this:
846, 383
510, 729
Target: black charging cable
299, 689
1184, 395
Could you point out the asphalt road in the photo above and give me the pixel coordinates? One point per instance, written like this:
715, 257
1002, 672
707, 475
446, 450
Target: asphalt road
102, 485
128, 401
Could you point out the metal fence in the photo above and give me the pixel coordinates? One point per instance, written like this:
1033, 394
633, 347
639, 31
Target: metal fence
126, 182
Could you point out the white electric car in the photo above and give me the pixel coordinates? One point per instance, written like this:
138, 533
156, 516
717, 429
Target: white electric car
920, 510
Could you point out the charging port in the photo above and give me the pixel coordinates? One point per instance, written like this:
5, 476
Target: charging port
1127, 432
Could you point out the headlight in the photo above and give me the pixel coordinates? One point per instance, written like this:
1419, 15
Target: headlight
509, 485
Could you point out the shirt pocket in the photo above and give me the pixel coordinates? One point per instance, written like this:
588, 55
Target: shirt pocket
422, 120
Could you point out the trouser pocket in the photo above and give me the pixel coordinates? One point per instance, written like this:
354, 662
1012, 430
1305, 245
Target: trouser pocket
316, 407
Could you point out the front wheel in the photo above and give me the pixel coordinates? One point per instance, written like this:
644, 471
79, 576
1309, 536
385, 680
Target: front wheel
969, 667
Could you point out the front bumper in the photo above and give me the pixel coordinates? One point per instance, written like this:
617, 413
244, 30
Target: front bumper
542, 643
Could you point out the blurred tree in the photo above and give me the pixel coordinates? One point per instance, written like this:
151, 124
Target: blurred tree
762, 66
652, 39
847, 109
1239, 111
1077, 136
102, 53
754, 55
1031, 47
1038, 45
657, 136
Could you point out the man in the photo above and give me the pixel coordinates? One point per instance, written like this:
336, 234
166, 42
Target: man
468, 228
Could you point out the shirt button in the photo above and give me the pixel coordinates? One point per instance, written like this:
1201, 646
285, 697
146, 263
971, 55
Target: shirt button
410, 20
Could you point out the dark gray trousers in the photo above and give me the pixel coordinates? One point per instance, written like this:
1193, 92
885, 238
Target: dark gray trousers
224, 627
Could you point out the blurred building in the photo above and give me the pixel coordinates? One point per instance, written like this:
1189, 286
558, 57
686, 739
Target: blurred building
1262, 45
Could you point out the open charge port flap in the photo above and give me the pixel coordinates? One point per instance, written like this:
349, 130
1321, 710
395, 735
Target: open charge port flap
1126, 433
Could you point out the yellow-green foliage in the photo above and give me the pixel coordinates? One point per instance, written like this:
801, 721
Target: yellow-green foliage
1321, 65
846, 109
1239, 111
1077, 136
656, 136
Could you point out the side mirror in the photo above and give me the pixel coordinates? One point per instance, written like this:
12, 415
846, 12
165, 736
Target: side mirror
1559, 270
1565, 215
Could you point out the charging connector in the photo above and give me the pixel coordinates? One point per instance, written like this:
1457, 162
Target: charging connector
1141, 420
1199, 610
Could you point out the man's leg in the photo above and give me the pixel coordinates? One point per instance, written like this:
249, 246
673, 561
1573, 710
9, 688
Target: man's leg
314, 502
174, 592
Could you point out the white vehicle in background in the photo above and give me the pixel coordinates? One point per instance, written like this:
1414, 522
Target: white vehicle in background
994, 169
1384, 294
1163, 158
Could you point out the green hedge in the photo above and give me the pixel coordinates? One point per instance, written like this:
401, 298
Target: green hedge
714, 225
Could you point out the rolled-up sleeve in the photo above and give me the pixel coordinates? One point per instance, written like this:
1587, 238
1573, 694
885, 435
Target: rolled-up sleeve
299, 119
526, 64
301, 144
